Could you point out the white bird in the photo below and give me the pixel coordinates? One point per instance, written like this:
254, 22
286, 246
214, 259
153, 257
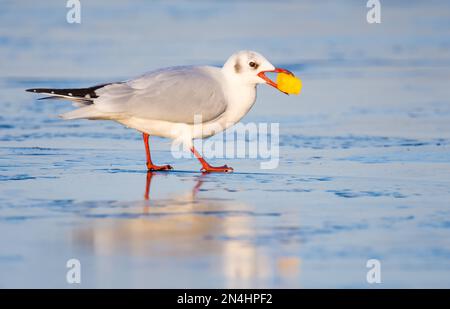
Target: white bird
182, 103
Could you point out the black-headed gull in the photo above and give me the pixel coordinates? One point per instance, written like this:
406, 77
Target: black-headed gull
168, 101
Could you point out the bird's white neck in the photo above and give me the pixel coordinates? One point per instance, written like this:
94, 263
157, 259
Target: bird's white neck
241, 97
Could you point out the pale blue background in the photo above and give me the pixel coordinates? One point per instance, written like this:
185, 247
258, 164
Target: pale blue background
364, 168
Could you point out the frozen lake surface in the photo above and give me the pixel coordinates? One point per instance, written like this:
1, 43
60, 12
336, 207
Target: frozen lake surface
364, 151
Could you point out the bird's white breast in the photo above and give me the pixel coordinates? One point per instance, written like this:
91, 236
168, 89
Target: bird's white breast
240, 99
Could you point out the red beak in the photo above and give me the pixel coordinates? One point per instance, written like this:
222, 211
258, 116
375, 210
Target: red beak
271, 82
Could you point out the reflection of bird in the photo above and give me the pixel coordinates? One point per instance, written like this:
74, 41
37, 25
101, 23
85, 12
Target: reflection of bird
148, 182
166, 226
181, 103
182, 227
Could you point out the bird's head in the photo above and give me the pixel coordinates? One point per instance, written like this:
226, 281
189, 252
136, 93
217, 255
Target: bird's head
251, 67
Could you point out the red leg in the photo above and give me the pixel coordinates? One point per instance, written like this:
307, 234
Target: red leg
208, 168
150, 165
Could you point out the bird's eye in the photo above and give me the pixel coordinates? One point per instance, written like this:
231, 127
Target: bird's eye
252, 64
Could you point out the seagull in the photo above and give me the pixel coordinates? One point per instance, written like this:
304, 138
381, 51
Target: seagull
182, 103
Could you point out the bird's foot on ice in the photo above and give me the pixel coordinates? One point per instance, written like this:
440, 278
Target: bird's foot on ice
217, 169
152, 167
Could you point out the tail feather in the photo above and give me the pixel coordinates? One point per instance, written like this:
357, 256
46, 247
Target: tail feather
78, 102
81, 97
87, 93
87, 112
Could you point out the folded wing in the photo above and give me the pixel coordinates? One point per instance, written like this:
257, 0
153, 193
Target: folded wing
175, 95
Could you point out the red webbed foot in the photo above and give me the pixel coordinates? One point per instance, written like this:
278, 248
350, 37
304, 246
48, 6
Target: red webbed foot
152, 167
217, 169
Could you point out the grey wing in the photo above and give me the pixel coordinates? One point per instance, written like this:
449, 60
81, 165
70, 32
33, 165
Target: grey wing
175, 95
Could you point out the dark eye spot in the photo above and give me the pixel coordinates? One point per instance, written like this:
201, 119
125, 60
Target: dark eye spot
253, 64
237, 67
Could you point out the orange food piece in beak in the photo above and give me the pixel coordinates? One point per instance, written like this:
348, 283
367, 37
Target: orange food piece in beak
289, 83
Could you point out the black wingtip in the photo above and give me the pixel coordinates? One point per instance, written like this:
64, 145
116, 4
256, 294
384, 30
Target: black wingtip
30, 90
